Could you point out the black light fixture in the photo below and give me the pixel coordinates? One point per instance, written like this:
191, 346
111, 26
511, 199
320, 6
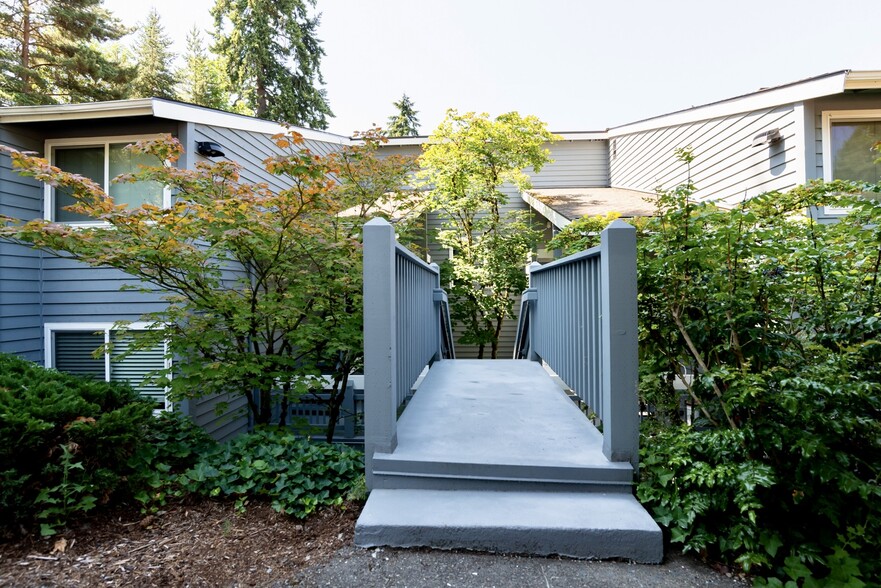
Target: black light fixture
209, 149
767, 138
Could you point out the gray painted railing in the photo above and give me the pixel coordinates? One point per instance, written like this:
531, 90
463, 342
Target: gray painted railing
406, 326
579, 316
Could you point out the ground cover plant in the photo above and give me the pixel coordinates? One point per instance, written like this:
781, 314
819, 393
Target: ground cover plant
69, 445
772, 321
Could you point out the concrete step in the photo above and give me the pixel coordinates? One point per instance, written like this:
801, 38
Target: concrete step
581, 525
391, 471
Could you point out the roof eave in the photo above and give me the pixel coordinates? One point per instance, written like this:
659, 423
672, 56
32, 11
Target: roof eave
825, 85
159, 108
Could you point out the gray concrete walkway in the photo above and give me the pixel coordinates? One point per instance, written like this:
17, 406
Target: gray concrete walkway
496, 412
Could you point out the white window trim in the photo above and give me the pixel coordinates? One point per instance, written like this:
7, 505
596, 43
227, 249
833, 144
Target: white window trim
828, 117
49, 149
49, 330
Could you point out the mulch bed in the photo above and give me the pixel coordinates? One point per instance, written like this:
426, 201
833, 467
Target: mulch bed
202, 544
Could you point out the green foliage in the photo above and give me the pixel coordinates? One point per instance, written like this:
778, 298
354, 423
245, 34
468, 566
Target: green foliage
58, 503
173, 445
778, 318
154, 76
465, 164
50, 53
203, 77
404, 122
296, 475
65, 443
263, 287
273, 58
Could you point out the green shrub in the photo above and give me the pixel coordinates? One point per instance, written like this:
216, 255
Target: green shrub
173, 444
779, 318
295, 474
64, 443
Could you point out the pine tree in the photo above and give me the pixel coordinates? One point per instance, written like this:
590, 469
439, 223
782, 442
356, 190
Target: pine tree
273, 58
154, 76
404, 123
203, 78
50, 52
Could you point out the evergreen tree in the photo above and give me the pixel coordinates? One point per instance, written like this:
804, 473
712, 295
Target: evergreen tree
154, 76
50, 52
203, 79
273, 58
404, 123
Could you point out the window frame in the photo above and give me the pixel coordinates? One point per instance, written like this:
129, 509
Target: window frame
49, 191
49, 330
828, 117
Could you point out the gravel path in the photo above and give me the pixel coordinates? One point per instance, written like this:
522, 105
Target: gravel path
369, 568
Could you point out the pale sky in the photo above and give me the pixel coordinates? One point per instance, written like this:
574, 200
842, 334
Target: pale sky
577, 65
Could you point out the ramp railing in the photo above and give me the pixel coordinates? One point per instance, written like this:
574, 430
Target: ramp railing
406, 327
579, 317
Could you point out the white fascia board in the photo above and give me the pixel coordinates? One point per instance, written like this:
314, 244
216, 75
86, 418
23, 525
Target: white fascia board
241, 122
90, 110
557, 219
792, 93
863, 80
418, 140
565, 136
583, 136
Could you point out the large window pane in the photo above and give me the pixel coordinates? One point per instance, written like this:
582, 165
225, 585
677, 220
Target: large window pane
73, 353
85, 161
123, 161
853, 156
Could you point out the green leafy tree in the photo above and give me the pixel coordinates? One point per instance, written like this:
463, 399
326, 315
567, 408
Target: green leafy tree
50, 52
467, 160
273, 58
203, 77
404, 122
263, 287
154, 77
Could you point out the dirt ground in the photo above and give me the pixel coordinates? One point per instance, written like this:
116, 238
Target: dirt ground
209, 544
205, 544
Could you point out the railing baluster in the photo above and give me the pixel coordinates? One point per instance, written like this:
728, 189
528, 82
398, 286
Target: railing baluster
582, 322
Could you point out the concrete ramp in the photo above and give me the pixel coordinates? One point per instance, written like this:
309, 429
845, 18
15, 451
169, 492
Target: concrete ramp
493, 455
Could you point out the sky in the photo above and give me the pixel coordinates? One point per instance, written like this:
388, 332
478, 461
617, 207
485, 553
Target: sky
578, 65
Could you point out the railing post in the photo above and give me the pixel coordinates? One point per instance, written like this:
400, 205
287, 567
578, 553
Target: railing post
533, 311
619, 343
380, 390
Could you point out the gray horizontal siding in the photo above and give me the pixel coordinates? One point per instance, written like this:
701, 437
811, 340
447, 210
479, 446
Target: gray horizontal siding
20, 197
726, 165
249, 150
575, 164
226, 425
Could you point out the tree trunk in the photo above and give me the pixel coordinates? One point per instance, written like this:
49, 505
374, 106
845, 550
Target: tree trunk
265, 414
25, 46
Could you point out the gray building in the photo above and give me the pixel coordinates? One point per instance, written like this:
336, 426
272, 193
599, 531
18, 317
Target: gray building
55, 311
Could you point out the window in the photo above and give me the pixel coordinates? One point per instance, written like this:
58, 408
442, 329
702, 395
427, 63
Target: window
100, 159
848, 140
70, 348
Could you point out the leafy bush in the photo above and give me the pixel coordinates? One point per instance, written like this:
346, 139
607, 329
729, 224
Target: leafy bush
295, 474
772, 322
173, 445
64, 443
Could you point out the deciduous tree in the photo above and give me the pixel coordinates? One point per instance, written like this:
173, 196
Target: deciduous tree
263, 287
468, 159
